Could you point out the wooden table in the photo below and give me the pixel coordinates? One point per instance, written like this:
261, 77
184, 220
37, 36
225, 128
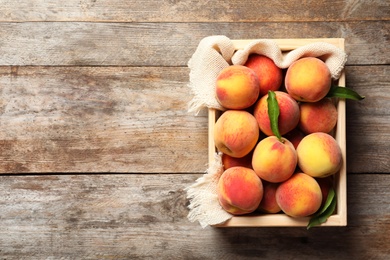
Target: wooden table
97, 145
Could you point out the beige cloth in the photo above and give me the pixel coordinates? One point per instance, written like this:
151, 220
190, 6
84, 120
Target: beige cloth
204, 206
212, 55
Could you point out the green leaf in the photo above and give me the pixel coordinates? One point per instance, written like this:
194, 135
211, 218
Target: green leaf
273, 113
323, 217
327, 210
343, 92
329, 199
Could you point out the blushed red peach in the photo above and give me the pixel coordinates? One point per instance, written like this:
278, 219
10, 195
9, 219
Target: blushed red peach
268, 204
270, 76
299, 196
288, 113
239, 190
274, 160
325, 185
229, 161
236, 133
295, 136
319, 155
320, 116
237, 87
308, 79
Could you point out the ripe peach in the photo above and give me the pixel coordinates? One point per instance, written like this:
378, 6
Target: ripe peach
229, 161
236, 133
268, 204
299, 196
270, 76
239, 190
308, 79
320, 116
274, 160
288, 113
319, 155
237, 87
325, 185
295, 136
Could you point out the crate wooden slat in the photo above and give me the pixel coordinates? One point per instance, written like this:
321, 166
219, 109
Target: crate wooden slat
339, 218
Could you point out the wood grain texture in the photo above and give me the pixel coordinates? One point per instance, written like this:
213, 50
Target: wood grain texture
369, 119
99, 120
144, 216
92, 88
169, 44
188, 11
135, 119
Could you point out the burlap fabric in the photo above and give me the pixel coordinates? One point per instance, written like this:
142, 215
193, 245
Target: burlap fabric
212, 55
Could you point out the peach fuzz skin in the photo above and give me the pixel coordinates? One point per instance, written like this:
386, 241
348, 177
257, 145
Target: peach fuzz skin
319, 155
239, 190
236, 133
237, 87
273, 160
288, 117
320, 116
270, 76
229, 161
295, 136
299, 196
268, 204
308, 79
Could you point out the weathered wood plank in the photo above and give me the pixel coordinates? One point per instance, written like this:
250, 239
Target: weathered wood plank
169, 44
71, 112
143, 216
99, 120
189, 11
134, 119
368, 121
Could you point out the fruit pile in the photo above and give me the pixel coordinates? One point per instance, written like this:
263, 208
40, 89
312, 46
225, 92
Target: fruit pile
275, 137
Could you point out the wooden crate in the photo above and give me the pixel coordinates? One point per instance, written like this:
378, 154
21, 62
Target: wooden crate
339, 218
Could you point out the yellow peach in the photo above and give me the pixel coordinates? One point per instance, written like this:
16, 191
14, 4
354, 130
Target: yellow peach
236, 133
308, 79
319, 155
299, 196
237, 87
274, 160
288, 113
239, 190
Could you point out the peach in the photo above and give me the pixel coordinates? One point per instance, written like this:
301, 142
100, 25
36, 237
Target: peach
236, 133
270, 76
308, 79
325, 185
319, 155
229, 161
268, 204
320, 116
274, 160
239, 190
237, 87
295, 136
299, 196
288, 113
